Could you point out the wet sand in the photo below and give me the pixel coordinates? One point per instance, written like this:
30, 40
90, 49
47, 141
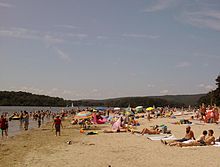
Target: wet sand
40, 147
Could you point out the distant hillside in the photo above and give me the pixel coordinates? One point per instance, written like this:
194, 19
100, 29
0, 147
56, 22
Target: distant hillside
28, 99
171, 100
185, 99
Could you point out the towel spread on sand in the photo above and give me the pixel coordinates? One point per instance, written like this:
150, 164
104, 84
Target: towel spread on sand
161, 137
217, 144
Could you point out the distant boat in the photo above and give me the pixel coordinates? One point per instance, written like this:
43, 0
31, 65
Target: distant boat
72, 105
14, 117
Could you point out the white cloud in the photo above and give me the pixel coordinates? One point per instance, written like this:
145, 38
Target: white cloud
94, 90
101, 37
141, 36
164, 91
5, 5
55, 92
52, 40
61, 54
66, 26
45, 37
201, 18
117, 61
67, 92
206, 87
23, 33
150, 86
183, 64
79, 35
159, 5
19, 33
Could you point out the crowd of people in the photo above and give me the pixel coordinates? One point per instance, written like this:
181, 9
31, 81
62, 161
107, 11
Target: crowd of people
121, 122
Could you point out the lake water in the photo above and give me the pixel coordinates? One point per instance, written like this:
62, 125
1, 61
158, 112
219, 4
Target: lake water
14, 125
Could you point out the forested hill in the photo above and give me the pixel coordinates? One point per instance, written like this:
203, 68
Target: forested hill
185, 99
28, 99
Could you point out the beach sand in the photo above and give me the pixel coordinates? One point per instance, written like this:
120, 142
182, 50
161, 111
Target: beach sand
40, 147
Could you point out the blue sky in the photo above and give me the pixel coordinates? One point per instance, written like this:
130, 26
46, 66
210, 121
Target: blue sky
109, 48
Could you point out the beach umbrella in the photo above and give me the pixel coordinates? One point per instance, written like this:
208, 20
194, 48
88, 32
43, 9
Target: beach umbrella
139, 108
83, 115
149, 108
116, 109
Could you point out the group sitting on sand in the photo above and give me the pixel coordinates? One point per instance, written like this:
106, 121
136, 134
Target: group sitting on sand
203, 140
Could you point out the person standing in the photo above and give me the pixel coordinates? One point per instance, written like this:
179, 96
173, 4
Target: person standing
39, 119
3, 126
57, 123
26, 120
21, 118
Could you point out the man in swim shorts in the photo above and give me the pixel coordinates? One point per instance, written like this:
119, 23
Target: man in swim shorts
57, 123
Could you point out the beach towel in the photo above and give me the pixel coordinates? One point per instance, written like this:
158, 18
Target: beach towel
159, 137
172, 137
217, 144
188, 141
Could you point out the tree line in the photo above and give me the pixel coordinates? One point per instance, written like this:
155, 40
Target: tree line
213, 97
28, 99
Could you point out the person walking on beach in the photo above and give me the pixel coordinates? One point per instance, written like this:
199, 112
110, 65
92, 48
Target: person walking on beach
3, 126
21, 118
39, 119
26, 120
57, 123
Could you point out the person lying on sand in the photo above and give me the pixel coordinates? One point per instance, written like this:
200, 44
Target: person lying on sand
154, 130
150, 131
188, 136
210, 140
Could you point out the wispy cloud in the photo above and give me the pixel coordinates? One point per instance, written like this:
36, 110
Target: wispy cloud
183, 64
19, 33
77, 35
101, 37
50, 92
164, 91
150, 86
67, 26
203, 19
48, 38
159, 5
206, 87
61, 54
6, 5
141, 36
24, 33
206, 55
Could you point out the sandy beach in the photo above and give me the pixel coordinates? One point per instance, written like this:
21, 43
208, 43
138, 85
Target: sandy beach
40, 147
